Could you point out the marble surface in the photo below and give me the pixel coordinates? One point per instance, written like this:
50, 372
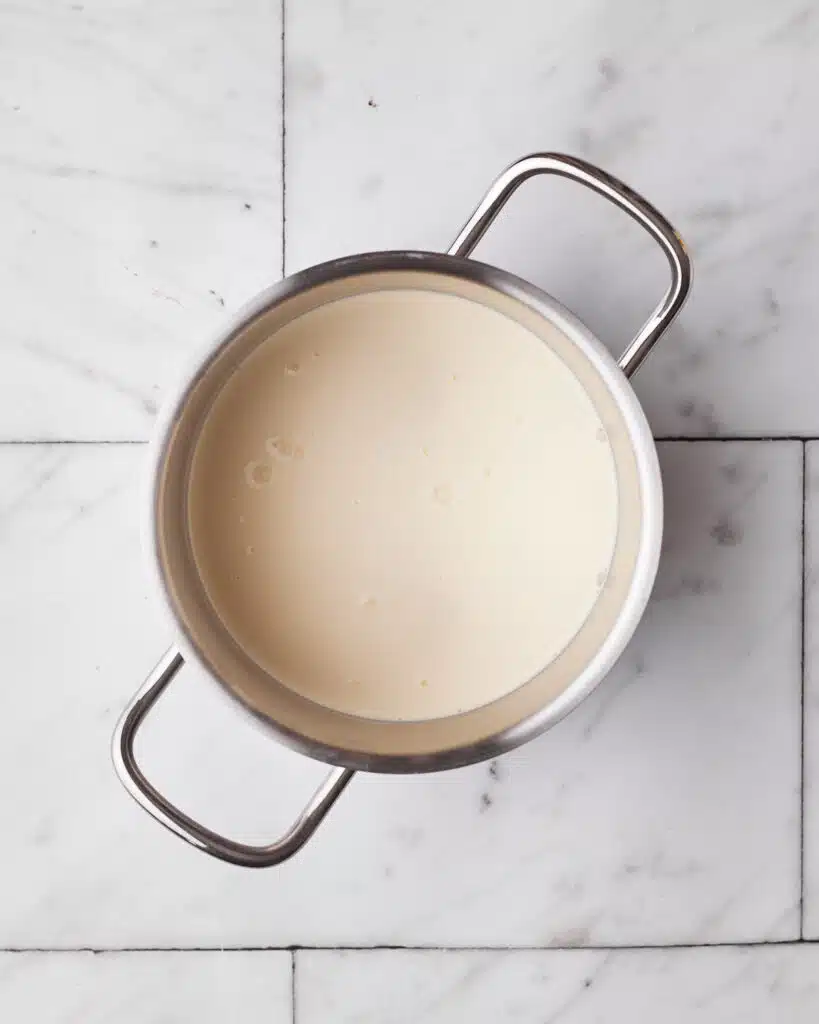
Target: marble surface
140, 197
131, 988
704, 107
157, 168
665, 810
719, 986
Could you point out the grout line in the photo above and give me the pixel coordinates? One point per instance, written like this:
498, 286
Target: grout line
802, 695
284, 139
75, 441
731, 438
660, 439
293, 985
294, 949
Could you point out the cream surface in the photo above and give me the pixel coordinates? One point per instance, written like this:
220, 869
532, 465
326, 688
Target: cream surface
403, 505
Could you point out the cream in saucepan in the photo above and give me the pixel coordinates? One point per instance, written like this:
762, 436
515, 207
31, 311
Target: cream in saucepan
403, 505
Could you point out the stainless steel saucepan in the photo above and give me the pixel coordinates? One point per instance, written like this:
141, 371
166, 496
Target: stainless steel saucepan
347, 742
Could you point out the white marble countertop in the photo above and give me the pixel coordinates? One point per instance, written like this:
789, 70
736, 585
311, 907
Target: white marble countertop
656, 855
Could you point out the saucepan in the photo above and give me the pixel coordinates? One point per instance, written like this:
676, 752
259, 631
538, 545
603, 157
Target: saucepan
347, 742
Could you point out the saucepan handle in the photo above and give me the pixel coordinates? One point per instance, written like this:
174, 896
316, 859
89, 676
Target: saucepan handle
177, 821
619, 194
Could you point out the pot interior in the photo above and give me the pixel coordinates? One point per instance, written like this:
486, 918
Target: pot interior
455, 738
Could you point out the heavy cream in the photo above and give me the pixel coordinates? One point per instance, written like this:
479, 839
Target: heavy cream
403, 505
